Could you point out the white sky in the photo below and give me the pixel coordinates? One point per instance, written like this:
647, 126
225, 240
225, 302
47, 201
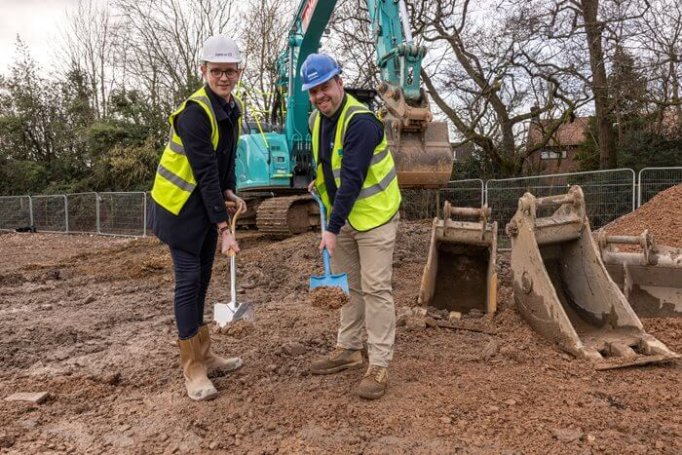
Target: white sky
38, 22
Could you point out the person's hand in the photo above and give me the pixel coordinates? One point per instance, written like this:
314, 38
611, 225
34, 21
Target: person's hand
311, 186
233, 202
328, 241
228, 243
238, 202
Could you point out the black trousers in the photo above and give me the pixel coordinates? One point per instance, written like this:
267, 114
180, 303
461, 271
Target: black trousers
192, 276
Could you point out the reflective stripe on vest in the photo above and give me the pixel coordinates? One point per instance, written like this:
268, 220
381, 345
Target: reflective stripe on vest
379, 198
174, 180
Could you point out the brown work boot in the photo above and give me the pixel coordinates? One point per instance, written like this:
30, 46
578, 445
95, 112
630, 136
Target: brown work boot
199, 387
215, 365
339, 359
373, 384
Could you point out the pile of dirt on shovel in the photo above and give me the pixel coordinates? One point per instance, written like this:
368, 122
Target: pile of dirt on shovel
662, 216
327, 297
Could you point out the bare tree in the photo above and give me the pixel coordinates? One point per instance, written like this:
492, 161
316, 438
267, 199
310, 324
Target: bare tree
490, 78
351, 41
92, 46
164, 39
659, 39
264, 23
582, 30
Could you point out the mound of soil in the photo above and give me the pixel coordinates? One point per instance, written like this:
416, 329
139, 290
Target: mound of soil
662, 216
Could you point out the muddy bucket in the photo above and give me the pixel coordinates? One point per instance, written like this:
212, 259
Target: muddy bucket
460, 270
650, 278
562, 288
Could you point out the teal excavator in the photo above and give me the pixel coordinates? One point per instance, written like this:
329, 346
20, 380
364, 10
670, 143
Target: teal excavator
274, 160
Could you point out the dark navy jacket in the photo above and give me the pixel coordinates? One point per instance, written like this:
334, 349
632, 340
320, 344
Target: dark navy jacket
213, 170
363, 135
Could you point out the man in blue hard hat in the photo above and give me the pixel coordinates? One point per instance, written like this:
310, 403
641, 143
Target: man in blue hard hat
356, 180
194, 179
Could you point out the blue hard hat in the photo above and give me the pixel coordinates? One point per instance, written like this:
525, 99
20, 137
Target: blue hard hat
318, 69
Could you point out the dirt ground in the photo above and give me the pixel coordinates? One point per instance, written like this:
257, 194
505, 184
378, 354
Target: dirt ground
89, 320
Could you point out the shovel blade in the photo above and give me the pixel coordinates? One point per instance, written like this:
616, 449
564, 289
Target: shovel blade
331, 281
222, 314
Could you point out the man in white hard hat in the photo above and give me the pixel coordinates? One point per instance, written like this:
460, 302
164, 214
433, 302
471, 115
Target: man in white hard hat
194, 179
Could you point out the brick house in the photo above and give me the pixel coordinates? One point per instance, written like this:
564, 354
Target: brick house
558, 155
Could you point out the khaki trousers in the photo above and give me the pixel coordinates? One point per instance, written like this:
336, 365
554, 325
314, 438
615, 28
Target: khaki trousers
367, 258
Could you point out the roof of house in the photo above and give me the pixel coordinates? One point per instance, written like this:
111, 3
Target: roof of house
570, 133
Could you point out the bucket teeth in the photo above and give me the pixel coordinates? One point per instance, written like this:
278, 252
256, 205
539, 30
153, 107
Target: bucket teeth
620, 349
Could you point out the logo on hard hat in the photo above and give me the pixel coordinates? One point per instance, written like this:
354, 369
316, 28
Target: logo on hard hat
313, 75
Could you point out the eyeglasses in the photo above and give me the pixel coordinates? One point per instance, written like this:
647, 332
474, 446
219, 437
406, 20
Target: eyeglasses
218, 73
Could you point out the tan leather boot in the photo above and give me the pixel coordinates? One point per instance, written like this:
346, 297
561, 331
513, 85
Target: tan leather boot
214, 363
339, 359
199, 387
373, 384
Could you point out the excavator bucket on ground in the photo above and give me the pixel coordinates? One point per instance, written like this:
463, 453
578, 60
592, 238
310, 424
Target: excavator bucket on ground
651, 279
563, 290
460, 272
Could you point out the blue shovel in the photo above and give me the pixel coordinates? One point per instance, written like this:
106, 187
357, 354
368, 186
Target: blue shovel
327, 280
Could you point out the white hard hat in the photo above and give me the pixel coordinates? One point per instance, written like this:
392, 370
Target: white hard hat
220, 49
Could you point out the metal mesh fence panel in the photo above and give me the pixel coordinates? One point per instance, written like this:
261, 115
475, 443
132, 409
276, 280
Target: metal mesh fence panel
122, 213
608, 194
463, 193
653, 180
82, 212
15, 212
418, 204
50, 213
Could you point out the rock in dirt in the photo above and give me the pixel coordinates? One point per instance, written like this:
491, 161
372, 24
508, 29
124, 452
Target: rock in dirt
294, 349
6, 441
567, 434
415, 323
331, 298
490, 350
35, 398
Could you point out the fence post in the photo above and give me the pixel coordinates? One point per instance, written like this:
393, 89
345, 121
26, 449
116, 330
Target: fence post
97, 212
144, 216
30, 210
639, 187
484, 196
66, 214
633, 190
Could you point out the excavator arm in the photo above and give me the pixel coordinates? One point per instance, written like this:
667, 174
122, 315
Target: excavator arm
420, 146
277, 160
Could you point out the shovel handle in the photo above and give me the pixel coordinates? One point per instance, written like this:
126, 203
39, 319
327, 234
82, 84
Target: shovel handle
323, 227
233, 222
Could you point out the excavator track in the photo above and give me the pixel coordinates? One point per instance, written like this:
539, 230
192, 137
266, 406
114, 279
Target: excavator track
283, 217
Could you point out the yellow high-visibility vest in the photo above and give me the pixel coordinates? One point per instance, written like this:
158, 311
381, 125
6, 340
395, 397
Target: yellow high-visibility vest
379, 198
174, 180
